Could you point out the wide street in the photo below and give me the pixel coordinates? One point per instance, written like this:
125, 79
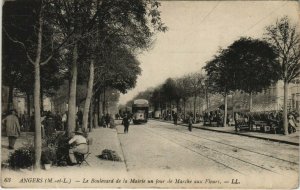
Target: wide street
163, 146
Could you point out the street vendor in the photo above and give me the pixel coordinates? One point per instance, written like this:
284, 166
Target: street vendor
79, 145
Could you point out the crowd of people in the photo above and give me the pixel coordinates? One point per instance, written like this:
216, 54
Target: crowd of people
273, 118
179, 116
216, 117
50, 122
12, 125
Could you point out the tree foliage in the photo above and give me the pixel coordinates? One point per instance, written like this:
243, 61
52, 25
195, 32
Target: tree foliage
254, 63
221, 73
285, 38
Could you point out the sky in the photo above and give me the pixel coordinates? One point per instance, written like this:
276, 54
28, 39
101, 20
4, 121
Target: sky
197, 29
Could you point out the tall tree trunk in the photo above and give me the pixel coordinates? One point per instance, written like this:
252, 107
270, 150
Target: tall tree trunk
95, 109
72, 95
177, 106
225, 111
37, 116
285, 111
88, 97
207, 100
37, 86
195, 101
104, 103
99, 107
184, 104
28, 103
250, 101
91, 116
10, 104
42, 100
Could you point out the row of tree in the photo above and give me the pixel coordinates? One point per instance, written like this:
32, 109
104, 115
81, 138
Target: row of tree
247, 65
93, 42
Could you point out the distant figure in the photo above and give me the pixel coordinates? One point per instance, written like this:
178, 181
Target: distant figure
291, 124
175, 118
27, 122
64, 120
43, 117
125, 122
190, 123
112, 123
102, 121
13, 130
107, 120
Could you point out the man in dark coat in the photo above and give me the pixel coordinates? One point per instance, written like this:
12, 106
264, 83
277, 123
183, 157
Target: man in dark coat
13, 130
107, 120
125, 122
175, 118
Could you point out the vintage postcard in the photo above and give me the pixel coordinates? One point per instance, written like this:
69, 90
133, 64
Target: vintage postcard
150, 94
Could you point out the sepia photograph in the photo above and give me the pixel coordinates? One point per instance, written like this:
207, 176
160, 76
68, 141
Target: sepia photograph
154, 94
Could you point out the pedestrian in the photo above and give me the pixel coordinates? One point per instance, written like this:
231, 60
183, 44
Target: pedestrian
291, 124
125, 122
43, 117
107, 120
112, 123
190, 123
13, 130
102, 121
175, 118
64, 120
78, 145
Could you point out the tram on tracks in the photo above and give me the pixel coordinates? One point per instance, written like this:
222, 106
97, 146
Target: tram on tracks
140, 111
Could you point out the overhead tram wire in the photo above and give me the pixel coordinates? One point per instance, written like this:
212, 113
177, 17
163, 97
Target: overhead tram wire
210, 11
276, 9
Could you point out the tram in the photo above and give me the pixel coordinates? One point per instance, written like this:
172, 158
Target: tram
140, 109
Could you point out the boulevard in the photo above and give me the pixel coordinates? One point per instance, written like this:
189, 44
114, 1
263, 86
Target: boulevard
165, 146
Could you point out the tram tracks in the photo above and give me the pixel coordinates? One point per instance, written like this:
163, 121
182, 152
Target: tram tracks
259, 153
230, 145
232, 162
188, 148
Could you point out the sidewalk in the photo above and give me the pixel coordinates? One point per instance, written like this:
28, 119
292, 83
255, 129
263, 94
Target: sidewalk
292, 139
103, 138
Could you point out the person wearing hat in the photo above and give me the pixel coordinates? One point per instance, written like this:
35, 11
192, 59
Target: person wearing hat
125, 122
13, 130
291, 124
79, 145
